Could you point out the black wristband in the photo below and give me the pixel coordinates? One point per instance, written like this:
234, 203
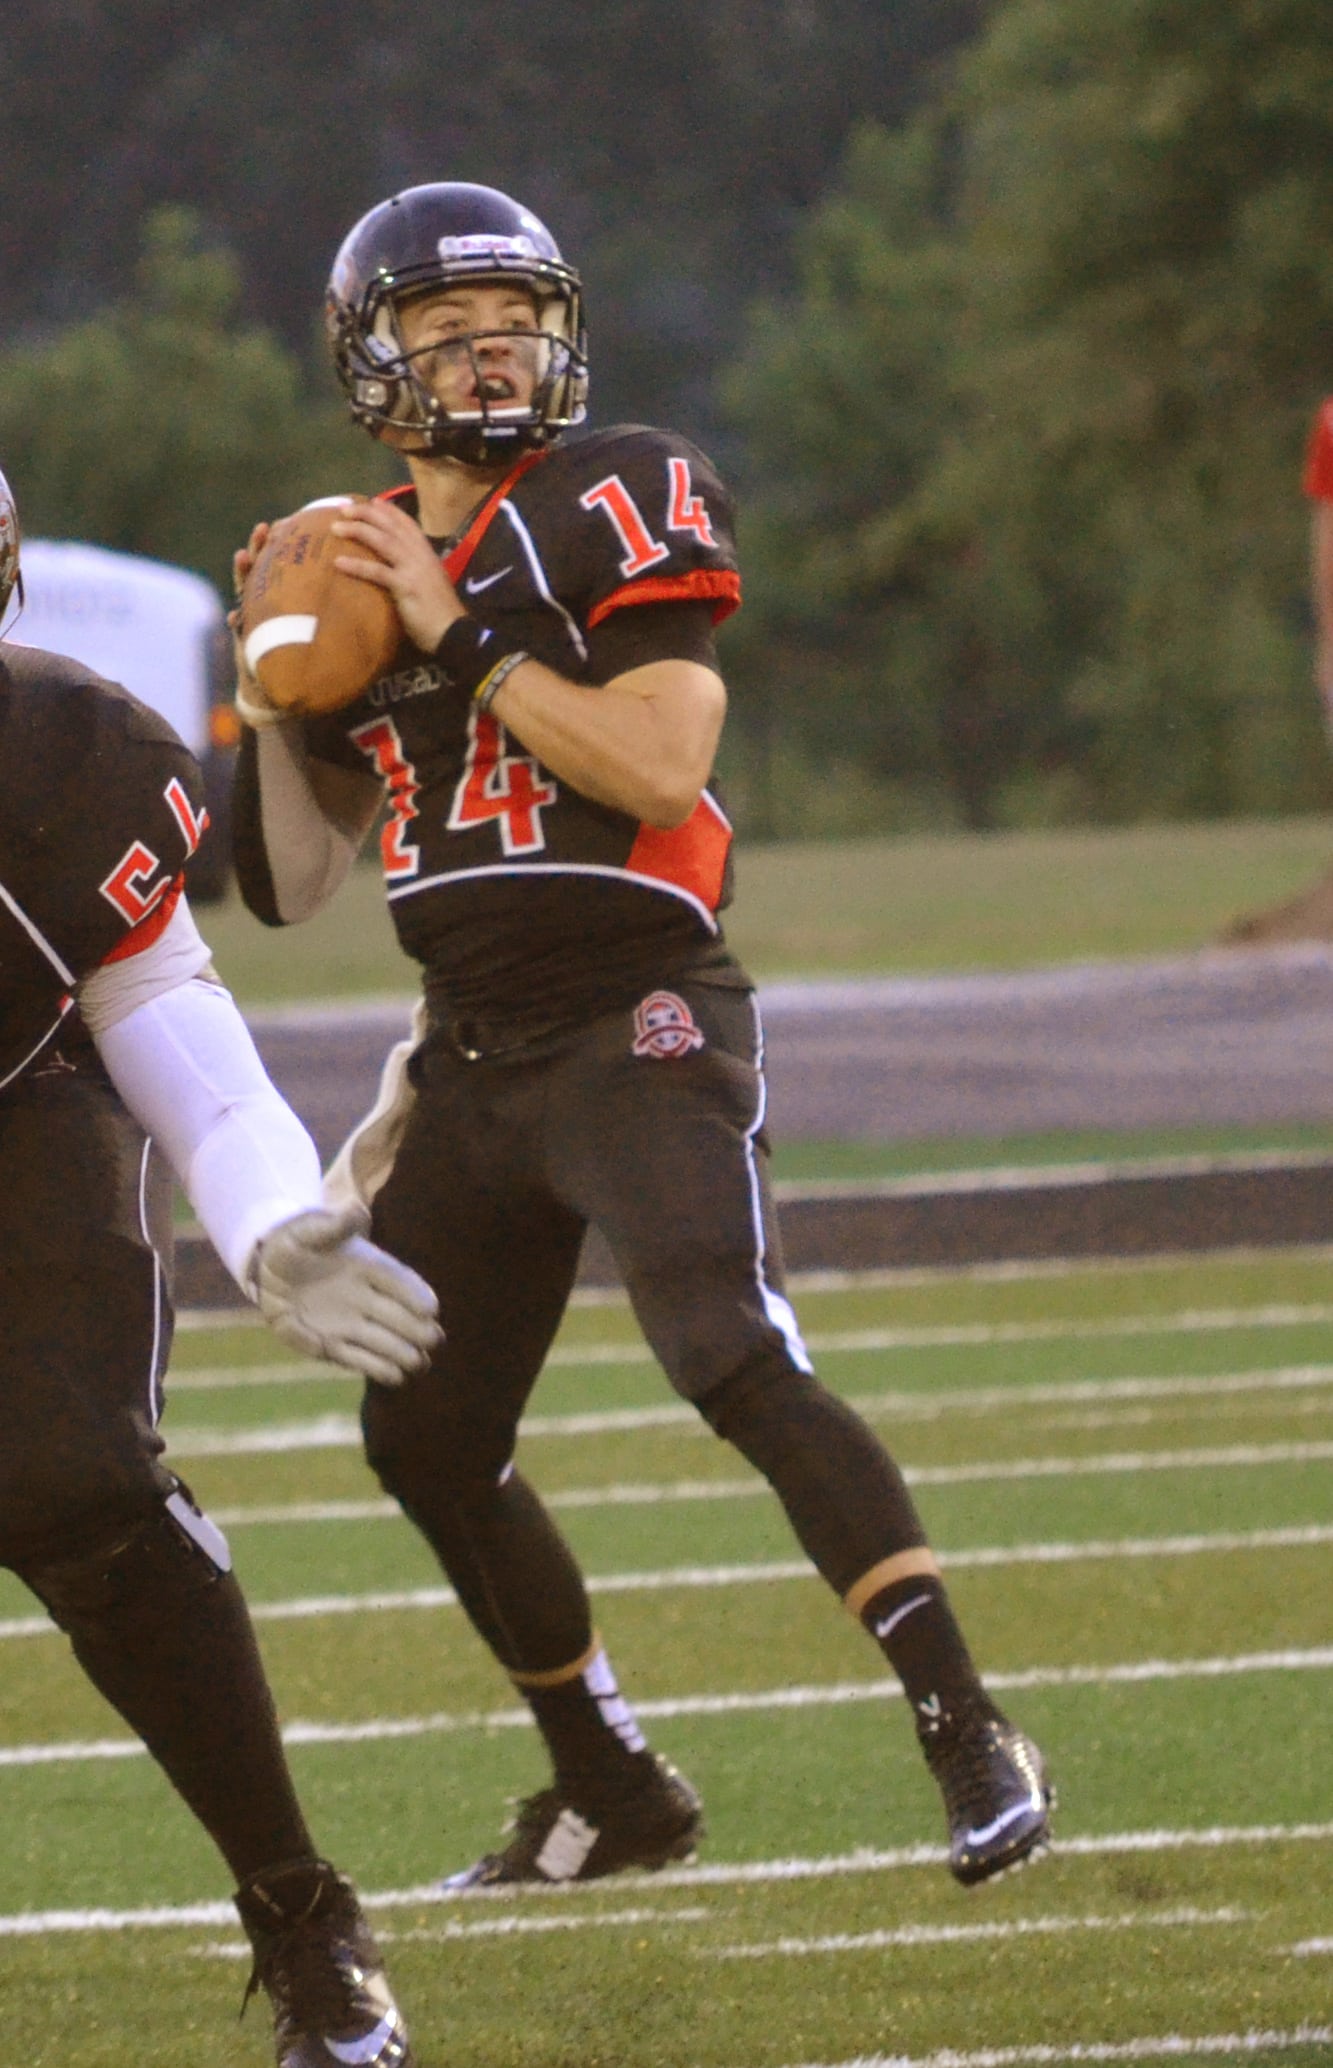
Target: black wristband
469, 651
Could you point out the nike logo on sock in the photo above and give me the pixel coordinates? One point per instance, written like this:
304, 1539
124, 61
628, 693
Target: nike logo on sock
890, 1623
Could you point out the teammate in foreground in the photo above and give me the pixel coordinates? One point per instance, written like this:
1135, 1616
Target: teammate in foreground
114, 1029
587, 1050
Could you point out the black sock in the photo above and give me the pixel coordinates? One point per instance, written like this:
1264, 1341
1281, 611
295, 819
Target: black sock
590, 1730
914, 1627
166, 1637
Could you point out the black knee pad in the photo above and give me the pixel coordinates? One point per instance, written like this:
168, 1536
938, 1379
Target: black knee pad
421, 1457
170, 1555
763, 1392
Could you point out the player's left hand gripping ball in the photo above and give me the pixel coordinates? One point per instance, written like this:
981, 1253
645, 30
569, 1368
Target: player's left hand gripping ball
313, 636
328, 1292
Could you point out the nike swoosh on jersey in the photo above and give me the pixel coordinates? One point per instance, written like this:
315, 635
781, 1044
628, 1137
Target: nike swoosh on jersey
994, 1828
474, 584
358, 2053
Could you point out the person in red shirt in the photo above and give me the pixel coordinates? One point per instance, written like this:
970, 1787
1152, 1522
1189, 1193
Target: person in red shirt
1308, 916
1318, 485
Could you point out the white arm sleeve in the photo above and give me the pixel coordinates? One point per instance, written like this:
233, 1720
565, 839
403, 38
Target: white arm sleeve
186, 1067
309, 854
117, 988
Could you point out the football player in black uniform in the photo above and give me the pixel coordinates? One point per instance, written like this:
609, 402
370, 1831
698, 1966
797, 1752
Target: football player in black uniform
116, 1038
587, 1050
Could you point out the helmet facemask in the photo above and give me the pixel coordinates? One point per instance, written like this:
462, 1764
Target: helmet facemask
393, 388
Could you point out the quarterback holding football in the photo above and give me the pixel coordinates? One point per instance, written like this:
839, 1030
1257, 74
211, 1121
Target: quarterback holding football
587, 1050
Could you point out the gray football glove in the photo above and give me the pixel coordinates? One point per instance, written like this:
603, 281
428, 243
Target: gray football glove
327, 1291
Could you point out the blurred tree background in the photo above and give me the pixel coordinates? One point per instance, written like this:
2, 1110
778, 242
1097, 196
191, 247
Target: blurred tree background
1008, 318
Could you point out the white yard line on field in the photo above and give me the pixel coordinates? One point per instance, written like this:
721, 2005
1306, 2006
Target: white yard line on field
495, 1928
889, 1278
343, 1432
906, 1935
1186, 1321
1297, 1536
960, 1335
1168, 2046
717, 1874
1310, 1408
927, 1404
832, 1695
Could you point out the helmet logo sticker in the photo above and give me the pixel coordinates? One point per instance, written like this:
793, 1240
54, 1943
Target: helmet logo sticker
665, 1027
481, 247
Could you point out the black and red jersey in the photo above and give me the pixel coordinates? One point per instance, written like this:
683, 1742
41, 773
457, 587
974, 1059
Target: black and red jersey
513, 889
101, 807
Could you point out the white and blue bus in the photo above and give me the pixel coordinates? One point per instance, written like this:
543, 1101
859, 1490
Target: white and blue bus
161, 632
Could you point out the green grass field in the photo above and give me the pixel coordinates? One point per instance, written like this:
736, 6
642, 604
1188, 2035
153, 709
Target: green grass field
863, 907
1127, 1472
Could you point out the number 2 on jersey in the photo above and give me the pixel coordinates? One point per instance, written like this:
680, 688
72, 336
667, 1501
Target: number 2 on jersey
380, 743
496, 785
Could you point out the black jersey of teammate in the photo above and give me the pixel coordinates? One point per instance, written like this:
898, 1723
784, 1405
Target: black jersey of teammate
100, 808
511, 887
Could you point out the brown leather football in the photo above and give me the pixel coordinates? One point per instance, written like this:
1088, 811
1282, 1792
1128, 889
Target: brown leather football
314, 637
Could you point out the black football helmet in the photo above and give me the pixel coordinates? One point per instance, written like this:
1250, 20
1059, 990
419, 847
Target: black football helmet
441, 236
10, 578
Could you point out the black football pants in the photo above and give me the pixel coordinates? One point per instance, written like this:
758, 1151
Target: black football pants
503, 1164
85, 1317
154, 1615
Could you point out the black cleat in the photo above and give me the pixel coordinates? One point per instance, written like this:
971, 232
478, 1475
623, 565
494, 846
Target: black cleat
561, 1835
317, 1958
997, 1797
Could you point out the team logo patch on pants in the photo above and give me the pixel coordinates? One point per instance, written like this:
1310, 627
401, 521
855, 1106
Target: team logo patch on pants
665, 1026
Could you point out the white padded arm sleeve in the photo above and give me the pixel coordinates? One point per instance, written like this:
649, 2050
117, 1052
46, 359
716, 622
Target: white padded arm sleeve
309, 854
118, 988
186, 1067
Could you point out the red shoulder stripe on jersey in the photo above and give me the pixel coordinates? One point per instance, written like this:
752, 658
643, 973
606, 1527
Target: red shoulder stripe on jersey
719, 583
692, 856
150, 929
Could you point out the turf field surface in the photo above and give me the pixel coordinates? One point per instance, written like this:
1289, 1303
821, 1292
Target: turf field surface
1127, 1473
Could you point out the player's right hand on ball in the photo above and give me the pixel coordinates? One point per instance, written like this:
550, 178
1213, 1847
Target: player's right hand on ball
244, 558
328, 1292
252, 706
